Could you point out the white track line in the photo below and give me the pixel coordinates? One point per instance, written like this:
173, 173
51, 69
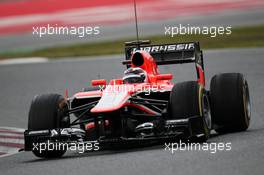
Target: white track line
24, 60
12, 128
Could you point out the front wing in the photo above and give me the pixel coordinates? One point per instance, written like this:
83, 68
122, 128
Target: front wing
173, 130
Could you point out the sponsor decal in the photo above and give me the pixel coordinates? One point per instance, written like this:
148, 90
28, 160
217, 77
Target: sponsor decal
166, 48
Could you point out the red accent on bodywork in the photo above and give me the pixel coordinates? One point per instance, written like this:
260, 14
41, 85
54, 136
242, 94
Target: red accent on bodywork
116, 94
100, 82
164, 77
201, 79
91, 125
149, 66
88, 94
116, 82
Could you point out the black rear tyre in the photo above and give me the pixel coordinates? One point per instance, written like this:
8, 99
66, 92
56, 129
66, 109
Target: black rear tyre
230, 102
44, 114
190, 99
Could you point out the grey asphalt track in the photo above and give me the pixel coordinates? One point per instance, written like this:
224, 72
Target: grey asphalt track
19, 83
234, 18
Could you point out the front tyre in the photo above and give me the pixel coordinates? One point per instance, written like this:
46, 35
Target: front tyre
44, 114
190, 99
230, 102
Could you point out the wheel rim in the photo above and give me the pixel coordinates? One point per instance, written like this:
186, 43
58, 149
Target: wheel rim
246, 101
207, 112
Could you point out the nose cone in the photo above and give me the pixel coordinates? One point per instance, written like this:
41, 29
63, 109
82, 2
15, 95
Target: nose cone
113, 98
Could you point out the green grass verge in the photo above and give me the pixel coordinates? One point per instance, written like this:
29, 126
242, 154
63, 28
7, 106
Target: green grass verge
252, 36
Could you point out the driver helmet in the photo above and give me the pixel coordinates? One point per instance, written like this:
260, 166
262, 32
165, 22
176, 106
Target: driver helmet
135, 75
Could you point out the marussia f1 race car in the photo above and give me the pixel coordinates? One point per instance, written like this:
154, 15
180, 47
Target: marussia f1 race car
144, 105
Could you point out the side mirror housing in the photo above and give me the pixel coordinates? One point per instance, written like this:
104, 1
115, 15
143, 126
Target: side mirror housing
164, 77
100, 82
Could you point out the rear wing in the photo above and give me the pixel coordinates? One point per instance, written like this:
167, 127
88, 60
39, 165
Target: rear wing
175, 53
